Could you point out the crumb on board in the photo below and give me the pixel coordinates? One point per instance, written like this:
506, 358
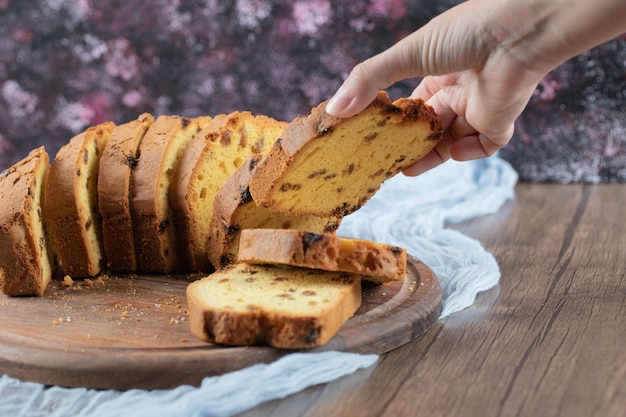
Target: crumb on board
127, 308
177, 319
67, 281
61, 320
77, 285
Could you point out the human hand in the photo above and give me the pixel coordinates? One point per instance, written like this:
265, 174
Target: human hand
480, 62
476, 84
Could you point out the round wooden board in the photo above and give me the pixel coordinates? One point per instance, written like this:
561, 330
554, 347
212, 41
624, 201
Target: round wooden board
121, 332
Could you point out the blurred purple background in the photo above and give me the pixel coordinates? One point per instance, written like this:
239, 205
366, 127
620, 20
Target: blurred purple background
68, 64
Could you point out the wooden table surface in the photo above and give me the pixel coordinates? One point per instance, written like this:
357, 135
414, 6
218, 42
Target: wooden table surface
549, 340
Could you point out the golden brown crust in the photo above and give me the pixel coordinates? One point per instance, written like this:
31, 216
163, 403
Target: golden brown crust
327, 166
119, 158
25, 267
377, 262
234, 210
71, 202
159, 153
288, 308
212, 157
178, 196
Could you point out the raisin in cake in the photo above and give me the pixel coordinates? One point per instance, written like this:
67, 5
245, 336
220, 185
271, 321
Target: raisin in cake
289, 308
71, 202
327, 166
25, 267
234, 210
159, 152
118, 160
209, 160
377, 262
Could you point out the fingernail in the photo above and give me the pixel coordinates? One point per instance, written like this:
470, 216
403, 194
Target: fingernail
339, 102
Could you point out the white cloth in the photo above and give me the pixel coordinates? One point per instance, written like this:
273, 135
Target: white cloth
408, 212
413, 213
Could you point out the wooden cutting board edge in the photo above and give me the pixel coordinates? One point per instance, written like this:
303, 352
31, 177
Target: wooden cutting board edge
387, 324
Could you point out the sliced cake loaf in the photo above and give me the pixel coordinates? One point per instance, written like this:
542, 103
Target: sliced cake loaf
234, 210
377, 262
71, 202
25, 267
326, 166
159, 152
209, 160
289, 308
118, 160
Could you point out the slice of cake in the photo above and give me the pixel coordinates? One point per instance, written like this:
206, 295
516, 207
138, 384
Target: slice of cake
288, 308
71, 202
209, 160
25, 267
159, 152
234, 210
377, 262
118, 160
326, 166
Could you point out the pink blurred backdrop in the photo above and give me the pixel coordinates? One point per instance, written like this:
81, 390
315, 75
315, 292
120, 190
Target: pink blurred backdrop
68, 64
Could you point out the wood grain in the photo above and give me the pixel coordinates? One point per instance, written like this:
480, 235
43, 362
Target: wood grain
131, 331
548, 341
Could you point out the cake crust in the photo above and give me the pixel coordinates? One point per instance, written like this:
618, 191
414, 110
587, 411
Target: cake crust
119, 158
25, 266
160, 151
71, 202
376, 262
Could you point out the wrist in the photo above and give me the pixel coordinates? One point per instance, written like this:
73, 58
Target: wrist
542, 34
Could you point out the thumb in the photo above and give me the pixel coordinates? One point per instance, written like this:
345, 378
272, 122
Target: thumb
372, 75
364, 83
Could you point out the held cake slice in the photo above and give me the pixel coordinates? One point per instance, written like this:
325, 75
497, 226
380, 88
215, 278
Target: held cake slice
25, 267
288, 308
160, 150
377, 262
327, 166
234, 210
209, 160
118, 160
71, 202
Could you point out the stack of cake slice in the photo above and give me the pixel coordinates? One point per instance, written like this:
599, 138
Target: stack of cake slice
251, 202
